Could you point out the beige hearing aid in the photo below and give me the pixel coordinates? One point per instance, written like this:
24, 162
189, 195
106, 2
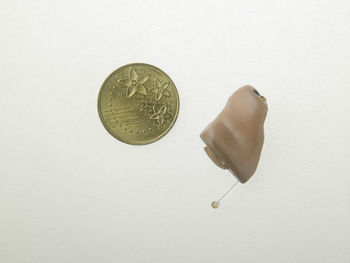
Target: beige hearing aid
235, 138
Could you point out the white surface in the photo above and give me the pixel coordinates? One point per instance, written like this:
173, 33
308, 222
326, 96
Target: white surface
69, 192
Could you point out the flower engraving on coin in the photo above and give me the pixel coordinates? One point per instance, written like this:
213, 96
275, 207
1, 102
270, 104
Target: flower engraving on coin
134, 84
160, 115
160, 89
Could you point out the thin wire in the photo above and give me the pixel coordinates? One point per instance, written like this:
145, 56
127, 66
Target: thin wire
229, 190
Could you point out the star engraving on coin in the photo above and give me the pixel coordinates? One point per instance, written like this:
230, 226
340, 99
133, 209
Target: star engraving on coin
160, 89
134, 83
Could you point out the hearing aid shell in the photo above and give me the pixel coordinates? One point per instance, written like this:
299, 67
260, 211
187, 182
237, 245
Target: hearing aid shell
234, 139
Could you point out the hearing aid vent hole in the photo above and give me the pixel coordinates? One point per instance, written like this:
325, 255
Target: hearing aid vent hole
256, 92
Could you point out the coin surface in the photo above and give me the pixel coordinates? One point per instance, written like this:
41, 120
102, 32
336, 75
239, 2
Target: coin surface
138, 104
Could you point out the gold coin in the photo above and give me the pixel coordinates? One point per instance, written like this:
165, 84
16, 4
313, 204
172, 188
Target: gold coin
138, 104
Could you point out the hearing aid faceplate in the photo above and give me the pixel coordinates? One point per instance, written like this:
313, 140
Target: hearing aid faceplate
235, 138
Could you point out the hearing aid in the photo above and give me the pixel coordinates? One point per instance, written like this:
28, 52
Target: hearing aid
235, 138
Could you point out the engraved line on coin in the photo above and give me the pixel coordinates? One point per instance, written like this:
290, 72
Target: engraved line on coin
121, 114
131, 123
123, 110
125, 107
126, 116
130, 119
129, 116
125, 113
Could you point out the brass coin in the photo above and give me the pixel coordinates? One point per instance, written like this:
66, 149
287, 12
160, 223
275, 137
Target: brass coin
138, 104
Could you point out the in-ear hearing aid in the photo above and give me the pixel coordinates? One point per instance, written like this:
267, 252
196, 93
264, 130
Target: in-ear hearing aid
235, 138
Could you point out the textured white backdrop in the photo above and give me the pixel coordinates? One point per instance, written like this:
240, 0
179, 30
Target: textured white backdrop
69, 192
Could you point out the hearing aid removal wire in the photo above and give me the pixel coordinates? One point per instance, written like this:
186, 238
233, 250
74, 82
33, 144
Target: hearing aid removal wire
215, 204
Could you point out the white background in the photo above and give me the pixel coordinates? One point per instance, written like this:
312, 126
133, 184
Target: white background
70, 192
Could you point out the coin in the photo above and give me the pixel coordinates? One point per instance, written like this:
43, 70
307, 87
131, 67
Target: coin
138, 103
